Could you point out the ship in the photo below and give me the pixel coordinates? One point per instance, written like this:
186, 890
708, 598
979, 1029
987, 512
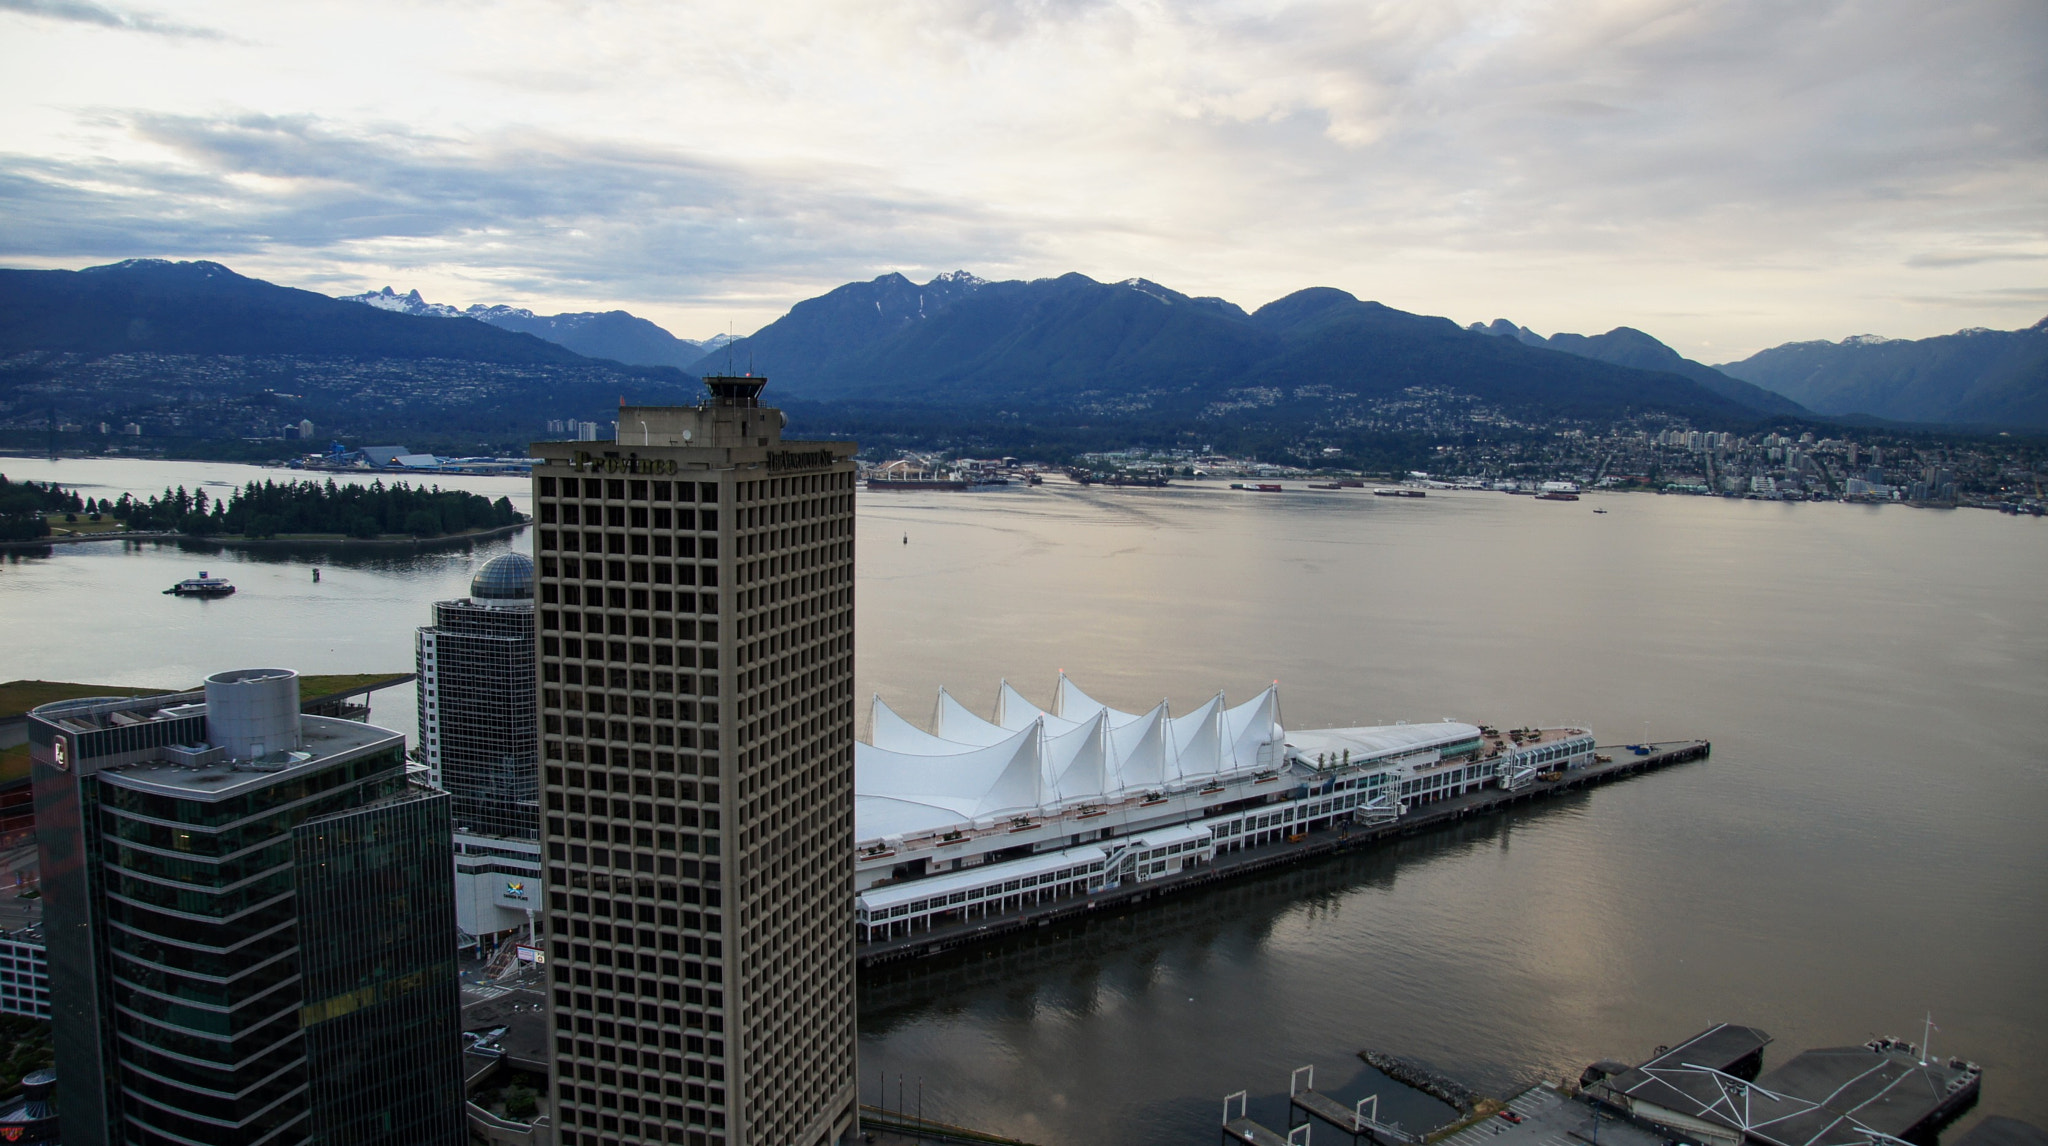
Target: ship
204, 585
915, 483
1556, 495
1391, 491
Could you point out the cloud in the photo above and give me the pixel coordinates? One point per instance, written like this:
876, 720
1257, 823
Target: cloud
85, 12
1973, 258
534, 213
1578, 164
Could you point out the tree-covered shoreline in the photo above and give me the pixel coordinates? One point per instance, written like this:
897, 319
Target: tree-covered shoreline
24, 504
274, 509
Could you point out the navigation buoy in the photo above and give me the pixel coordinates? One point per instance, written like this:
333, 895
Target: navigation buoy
316, 576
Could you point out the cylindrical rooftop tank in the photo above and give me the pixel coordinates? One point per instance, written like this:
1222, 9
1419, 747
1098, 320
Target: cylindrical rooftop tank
253, 712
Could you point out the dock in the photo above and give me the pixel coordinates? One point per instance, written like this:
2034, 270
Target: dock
1251, 861
1545, 1116
1304, 1099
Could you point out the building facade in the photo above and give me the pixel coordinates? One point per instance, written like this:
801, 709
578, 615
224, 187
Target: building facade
24, 973
696, 702
249, 923
477, 736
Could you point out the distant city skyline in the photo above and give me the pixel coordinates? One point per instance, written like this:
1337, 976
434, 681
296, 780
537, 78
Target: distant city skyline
1726, 176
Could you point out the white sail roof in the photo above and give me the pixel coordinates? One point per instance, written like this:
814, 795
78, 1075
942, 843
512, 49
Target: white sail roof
968, 770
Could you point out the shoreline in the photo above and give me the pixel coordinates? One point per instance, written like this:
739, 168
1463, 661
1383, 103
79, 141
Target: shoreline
230, 541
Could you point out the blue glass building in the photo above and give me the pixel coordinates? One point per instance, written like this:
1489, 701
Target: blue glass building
249, 920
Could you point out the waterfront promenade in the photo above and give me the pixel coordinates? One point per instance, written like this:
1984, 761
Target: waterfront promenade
1237, 864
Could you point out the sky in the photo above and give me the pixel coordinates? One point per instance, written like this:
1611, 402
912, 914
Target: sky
1724, 175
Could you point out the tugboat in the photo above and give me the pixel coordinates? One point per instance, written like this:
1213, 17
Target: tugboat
204, 585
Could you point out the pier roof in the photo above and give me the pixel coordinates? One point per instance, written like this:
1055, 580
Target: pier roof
968, 771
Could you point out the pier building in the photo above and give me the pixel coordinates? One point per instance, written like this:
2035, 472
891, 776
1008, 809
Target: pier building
696, 707
1707, 1090
247, 915
980, 817
478, 737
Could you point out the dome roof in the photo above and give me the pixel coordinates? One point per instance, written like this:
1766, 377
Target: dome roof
508, 577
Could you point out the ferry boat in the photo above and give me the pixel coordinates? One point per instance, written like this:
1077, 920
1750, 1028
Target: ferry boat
203, 585
917, 483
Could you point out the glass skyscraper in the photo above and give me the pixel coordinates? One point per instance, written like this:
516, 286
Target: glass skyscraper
477, 737
249, 923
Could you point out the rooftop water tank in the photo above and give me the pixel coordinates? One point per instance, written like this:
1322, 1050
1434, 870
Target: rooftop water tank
253, 712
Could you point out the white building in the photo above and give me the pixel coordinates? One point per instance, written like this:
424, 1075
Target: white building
981, 817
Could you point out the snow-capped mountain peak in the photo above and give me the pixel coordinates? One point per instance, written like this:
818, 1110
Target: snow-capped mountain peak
407, 303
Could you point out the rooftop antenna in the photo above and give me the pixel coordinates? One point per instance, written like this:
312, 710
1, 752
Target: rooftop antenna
728, 347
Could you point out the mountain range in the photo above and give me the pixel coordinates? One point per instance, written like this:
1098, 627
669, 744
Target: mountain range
1627, 346
612, 334
1972, 377
1317, 357
195, 350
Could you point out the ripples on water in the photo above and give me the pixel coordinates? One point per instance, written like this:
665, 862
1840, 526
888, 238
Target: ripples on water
1865, 845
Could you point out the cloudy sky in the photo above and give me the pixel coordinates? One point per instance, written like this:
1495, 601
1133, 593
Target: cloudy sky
1725, 175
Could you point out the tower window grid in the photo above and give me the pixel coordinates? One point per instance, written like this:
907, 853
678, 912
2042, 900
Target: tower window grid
655, 814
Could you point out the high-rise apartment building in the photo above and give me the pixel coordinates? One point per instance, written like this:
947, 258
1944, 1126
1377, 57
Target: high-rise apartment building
478, 739
249, 923
696, 699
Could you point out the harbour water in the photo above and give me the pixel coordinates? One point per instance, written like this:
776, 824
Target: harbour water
1866, 845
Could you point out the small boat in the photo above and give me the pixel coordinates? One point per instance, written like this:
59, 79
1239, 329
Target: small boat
1152, 798
204, 585
1394, 492
1091, 813
1599, 511
1211, 790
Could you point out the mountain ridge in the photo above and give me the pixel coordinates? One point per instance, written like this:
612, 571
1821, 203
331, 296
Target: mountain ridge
1070, 340
1627, 346
1976, 376
614, 334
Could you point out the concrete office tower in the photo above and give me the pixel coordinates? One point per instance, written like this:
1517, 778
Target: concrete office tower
249, 920
477, 737
696, 655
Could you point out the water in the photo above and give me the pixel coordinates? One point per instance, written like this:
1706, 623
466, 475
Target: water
1865, 845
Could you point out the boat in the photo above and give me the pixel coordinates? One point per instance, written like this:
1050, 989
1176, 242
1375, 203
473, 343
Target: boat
1324, 485
1152, 798
916, 483
1599, 511
1391, 491
1267, 487
204, 585
1557, 495
1091, 813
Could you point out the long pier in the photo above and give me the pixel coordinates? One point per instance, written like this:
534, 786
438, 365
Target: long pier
1251, 861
